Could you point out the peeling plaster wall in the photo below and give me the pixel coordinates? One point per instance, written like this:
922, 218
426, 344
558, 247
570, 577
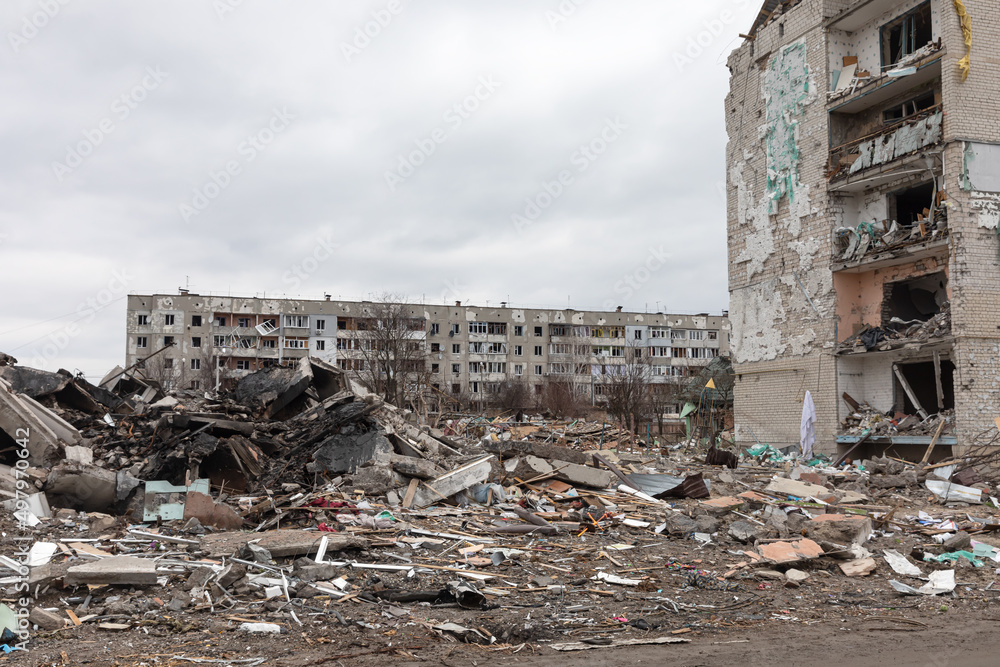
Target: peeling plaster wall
755, 313
782, 306
787, 89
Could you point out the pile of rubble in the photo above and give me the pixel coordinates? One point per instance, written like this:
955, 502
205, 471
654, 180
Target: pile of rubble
853, 244
867, 420
899, 333
300, 505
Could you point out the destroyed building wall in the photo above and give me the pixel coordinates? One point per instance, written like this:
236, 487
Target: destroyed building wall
861, 294
973, 123
469, 350
781, 292
890, 131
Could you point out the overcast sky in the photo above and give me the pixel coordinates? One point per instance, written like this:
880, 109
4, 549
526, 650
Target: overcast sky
542, 152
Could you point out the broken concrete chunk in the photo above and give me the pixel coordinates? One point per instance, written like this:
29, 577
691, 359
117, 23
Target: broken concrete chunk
858, 568
796, 576
958, 542
789, 487
681, 524
115, 571
210, 513
743, 531
790, 552
343, 453
46, 620
414, 467
79, 454
722, 505
23, 418
82, 487
840, 528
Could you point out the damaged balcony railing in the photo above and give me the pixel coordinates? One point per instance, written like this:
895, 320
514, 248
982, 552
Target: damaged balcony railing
870, 240
918, 131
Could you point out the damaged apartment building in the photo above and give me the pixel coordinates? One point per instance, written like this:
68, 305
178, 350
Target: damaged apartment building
193, 341
863, 200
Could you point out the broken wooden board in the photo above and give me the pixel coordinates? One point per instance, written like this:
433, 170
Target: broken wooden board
280, 543
581, 646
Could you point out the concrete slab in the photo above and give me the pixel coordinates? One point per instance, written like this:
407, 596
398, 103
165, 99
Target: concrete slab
114, 571
447, 485
508, 448
790, 487
529, 467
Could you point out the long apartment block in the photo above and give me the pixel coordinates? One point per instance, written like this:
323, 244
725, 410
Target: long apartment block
864, 190
467, 349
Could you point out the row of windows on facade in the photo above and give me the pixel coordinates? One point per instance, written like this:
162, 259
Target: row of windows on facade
142, 342
518, 370
585, 390
484, 328
361, 344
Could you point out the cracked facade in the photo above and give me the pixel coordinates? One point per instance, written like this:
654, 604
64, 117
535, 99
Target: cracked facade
468, 350
863, 208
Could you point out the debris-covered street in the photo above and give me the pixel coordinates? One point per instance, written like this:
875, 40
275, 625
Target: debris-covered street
501, 333
187, 529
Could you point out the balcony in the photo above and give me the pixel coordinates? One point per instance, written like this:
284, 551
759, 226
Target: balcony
884, 152
861, 94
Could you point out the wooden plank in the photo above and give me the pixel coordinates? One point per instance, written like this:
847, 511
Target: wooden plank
618, 473
854, 405
843, 457
937, 380
930, 447
909, 391
411, 491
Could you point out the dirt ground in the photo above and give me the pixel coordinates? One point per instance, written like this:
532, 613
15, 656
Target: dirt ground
844, 627
950, 639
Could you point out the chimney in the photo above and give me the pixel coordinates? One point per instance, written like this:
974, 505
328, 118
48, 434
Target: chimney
458, 303
618, 309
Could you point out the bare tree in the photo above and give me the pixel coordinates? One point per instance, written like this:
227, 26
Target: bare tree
663, 395
393, 350
559, 396
627, 388
513, 396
